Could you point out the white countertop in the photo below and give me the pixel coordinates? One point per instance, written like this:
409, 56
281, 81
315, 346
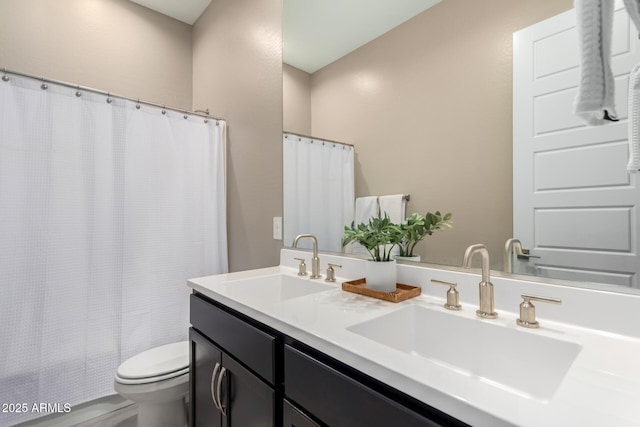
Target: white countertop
601, 388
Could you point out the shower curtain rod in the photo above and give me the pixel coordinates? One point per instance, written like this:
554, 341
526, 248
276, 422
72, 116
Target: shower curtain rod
44, 80
317, 139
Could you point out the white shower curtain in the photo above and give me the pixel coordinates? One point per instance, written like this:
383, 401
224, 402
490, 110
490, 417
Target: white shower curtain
318, 190
105, 211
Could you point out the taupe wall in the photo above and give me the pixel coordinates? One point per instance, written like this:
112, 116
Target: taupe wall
237, 72
428, 106
233, 67
296, 102
113, 45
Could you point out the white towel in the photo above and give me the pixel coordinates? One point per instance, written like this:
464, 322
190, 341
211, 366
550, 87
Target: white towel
595, 101
633, 9
366, 207
634, 120
394, 206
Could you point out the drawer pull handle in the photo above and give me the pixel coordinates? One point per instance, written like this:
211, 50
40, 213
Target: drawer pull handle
213, 381
223, 407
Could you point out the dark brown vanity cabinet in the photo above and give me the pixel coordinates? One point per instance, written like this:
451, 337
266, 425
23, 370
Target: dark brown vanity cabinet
337, 399
246, 374
293, 417
223, 390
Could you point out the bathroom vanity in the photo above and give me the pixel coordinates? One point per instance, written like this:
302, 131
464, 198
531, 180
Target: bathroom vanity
271, 348
268, 370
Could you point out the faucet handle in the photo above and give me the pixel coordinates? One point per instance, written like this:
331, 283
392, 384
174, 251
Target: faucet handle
331, 273
302, 268
452, 295
528, 310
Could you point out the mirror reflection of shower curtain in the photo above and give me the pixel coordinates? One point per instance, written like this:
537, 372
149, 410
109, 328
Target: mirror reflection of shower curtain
105, 211
318, 190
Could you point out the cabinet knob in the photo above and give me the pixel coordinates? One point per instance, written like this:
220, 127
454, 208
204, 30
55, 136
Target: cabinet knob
452, 295
528, 310
302, 268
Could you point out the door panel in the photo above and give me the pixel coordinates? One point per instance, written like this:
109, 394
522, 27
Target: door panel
548, 167
575, 205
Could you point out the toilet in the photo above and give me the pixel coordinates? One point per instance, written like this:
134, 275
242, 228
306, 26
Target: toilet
158, 381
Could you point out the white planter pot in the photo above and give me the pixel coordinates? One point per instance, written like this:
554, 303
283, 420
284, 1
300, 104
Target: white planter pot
381, 276
408, 258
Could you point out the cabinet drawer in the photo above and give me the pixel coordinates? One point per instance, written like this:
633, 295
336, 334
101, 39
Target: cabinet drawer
294, 418
245, 342
338, 400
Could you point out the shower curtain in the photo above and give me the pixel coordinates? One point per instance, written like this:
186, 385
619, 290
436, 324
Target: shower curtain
106, 209
318, 190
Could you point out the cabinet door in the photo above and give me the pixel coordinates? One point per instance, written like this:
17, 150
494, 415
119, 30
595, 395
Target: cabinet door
250, 401
294, 418
204, 357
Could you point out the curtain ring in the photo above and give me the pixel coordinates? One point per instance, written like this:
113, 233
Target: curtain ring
5, 78
206, 120
186, 116
78, 93
44, 86
163, 110
217, 122
109, 100
138, 104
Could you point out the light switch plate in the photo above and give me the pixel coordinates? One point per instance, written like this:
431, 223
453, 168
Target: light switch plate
277, 227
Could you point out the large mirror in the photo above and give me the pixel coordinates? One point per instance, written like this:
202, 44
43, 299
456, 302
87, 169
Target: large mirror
428, 106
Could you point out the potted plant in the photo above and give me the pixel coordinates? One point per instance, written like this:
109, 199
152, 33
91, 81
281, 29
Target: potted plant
417, 227
378, 237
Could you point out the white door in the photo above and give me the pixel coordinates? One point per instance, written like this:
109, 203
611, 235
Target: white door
574, 204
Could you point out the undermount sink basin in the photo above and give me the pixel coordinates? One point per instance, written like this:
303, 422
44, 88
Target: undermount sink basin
274, 288
516, 360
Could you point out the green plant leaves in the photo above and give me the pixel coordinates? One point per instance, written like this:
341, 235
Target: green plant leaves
378, 236
417, 227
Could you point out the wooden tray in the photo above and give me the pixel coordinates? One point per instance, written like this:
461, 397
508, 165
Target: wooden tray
402, 292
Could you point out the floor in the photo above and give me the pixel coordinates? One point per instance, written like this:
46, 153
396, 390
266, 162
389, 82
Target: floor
125, 417
110, 411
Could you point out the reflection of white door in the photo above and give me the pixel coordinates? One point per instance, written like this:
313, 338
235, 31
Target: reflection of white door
575, 205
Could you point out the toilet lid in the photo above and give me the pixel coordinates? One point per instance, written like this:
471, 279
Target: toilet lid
156, 362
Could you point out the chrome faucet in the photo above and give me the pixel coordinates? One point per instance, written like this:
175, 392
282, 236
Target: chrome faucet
522, 254
512, 244
485, 287
315, 261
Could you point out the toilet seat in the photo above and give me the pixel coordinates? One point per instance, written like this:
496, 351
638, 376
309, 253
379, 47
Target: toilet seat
152, 379
157, 364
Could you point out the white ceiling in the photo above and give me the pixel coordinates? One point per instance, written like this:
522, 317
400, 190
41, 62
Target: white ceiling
317, 32
187, 11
